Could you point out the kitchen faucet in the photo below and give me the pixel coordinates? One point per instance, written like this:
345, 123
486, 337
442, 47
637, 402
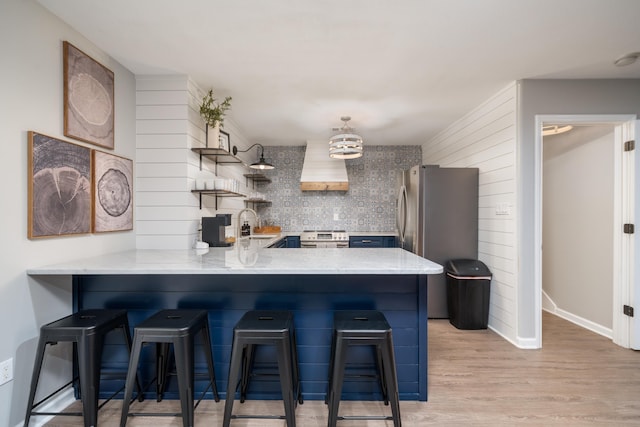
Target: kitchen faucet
238, 231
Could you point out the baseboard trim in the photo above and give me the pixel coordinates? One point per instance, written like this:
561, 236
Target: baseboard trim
55, 404
582, 322
523, 343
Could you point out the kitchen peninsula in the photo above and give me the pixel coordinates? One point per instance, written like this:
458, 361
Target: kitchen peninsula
229, 281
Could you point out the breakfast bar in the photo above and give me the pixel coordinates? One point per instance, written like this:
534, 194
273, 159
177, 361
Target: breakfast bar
312, 283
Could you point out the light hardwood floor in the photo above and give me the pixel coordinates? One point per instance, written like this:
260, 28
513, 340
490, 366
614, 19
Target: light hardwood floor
476, 378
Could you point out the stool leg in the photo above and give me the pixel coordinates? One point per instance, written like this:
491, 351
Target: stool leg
162, 369
286, 369
131, 378
248, 357
127, 339
234, 367
37, 367
331, 365
206, 342
337, 378
389, 366
89, 361
183, 352
381, 374
296, 369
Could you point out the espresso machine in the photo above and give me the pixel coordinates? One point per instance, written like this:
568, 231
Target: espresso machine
213, 229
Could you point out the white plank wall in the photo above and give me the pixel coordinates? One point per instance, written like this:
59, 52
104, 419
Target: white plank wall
165, 214
486, 138
168, 125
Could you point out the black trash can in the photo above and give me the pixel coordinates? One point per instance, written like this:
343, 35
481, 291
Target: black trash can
468, 289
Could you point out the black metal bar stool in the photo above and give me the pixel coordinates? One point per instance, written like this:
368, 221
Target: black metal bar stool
87, 330
264, 327
179, 328
362, 327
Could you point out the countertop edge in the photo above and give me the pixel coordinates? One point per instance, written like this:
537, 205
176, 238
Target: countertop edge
249, 260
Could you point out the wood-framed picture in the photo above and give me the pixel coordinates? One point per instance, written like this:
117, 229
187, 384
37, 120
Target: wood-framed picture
59, 193
112, 193
225, 141
88, 98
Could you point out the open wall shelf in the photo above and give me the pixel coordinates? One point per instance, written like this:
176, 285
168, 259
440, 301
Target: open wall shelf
216, 193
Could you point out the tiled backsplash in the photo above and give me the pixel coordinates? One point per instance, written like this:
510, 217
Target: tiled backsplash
369, 205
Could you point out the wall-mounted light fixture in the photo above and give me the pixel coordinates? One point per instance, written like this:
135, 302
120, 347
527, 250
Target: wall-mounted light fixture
628, 59
260, 164
555, 129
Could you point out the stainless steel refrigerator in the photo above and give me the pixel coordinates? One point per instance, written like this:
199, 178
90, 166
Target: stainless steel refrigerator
437, 218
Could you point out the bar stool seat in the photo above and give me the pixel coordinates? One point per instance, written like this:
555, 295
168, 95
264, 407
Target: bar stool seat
179, 328
87, 330
357, 328
264, 327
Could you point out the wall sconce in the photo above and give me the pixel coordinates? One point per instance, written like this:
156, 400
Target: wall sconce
260, 164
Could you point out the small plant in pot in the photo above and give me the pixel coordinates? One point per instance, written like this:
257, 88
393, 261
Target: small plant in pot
213, 115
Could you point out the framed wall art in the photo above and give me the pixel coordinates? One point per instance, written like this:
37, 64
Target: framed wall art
59, 187
112, 193
88, 98
225, 141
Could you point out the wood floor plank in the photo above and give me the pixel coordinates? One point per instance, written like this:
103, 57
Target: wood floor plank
476, 378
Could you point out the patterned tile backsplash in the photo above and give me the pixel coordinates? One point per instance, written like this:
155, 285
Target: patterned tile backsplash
369, 205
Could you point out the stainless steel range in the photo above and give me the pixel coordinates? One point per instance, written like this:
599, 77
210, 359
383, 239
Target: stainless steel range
324, 239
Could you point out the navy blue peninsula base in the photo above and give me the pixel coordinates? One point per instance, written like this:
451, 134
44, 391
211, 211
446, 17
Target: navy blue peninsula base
390, 280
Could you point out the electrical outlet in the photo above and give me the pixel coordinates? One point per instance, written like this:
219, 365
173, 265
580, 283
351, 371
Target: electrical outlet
6, 371
336, 217
503, 209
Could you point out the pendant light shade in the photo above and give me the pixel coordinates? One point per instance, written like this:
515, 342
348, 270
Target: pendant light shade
346, 144
260, 164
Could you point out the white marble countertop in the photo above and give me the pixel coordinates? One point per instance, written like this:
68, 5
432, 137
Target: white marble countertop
248, 257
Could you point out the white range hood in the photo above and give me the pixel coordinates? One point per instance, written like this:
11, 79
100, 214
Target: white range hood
320, 172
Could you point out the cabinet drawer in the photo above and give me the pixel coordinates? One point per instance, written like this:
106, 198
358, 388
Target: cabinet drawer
372, 242
366, 242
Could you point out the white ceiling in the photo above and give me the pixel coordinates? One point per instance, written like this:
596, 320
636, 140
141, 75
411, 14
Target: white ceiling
403, 70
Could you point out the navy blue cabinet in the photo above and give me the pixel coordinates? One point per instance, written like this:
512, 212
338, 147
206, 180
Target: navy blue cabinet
372, 241
293, 241
287, 242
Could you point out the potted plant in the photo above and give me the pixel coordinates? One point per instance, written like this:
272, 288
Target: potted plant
213, 115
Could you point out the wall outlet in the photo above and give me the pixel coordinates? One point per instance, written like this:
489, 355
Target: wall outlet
503, 209
336, 217
6, 371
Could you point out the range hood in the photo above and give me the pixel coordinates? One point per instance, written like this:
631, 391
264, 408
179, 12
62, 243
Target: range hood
320, 172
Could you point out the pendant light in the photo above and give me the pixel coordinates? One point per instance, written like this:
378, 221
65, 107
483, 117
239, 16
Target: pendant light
346, 144
260, 164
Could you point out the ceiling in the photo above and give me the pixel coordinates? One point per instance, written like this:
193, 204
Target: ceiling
403, 70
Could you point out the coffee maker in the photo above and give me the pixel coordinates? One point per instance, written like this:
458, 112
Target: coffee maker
213, 229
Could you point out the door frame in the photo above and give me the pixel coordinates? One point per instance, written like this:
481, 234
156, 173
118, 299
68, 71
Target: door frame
623, 250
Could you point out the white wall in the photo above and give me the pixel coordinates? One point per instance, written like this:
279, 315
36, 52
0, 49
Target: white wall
577, 272
167, 211
31, 86
486, 138
555, 97
168, 125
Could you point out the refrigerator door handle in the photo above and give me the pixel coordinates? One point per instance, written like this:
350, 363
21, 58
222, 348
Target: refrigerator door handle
401, 217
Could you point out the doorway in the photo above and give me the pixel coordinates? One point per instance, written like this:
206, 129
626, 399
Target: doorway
624, 127
577, 224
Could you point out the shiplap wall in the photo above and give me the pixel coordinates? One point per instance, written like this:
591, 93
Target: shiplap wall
486, 138
168, 124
